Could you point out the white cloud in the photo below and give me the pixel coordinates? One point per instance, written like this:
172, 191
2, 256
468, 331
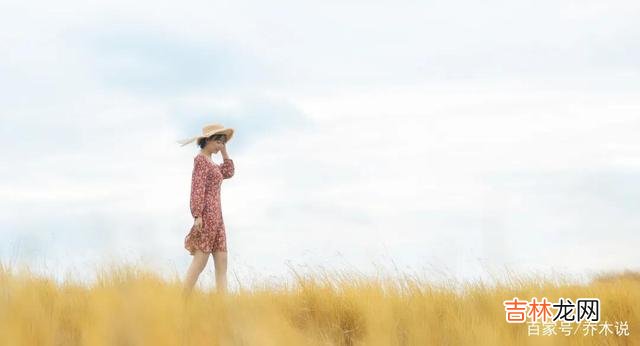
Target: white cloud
365, 132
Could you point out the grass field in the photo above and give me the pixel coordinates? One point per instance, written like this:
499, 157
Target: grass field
132, 306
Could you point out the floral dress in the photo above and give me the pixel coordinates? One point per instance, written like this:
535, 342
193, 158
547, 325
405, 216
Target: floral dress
206, 181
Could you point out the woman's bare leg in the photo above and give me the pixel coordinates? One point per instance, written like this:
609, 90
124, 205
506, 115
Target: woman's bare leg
220, 261
198, 263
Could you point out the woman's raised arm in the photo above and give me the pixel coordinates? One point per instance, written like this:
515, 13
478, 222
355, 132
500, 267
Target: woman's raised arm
227, 168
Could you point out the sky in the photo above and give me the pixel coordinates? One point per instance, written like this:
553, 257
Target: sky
450, 139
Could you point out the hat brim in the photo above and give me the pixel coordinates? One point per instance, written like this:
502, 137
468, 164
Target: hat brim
228, 131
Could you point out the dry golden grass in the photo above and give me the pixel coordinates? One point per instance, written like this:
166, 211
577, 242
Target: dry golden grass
131, 306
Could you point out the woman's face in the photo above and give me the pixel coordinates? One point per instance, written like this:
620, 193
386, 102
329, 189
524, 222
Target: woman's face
216, 143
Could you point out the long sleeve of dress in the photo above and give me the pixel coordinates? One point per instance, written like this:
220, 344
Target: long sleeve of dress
198, 178
227, 168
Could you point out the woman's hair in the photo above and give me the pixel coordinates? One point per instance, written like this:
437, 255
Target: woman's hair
202, 142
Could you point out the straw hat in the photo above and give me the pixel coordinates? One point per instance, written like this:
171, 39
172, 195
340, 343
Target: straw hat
207, 131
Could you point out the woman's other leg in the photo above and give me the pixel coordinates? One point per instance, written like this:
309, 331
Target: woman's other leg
198, 263
220, 261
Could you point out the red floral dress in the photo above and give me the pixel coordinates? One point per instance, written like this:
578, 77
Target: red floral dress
206, 181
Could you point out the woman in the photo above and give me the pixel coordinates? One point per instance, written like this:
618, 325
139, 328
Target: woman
207, 235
